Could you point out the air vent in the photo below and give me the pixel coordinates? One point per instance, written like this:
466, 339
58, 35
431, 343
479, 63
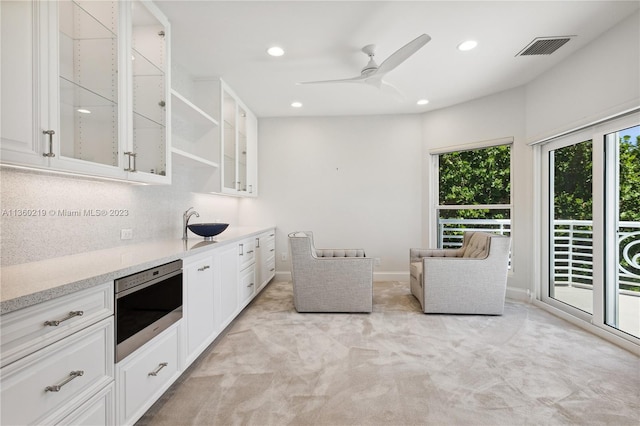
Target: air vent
544, 46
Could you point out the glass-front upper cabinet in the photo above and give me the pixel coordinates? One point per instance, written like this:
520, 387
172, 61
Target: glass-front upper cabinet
150, 92
242, 150
239, 145
88, 81
86, 88
229, 106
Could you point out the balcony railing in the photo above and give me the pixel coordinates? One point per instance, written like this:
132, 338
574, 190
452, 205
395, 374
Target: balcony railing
572, 248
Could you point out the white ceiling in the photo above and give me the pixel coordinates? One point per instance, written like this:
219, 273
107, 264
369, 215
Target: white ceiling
322, 40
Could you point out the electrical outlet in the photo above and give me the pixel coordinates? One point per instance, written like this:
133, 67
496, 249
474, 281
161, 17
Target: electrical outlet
376, 261
283, 256
126, 234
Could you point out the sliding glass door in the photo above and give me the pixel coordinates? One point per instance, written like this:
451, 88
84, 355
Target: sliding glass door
591, 225
571, 227
622, 192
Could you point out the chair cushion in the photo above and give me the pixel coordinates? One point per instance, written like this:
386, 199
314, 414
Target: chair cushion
339, 253
478, 246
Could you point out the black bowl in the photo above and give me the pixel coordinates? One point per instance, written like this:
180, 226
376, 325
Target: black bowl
208, 230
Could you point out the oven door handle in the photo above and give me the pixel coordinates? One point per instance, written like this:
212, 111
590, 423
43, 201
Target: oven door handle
147, 284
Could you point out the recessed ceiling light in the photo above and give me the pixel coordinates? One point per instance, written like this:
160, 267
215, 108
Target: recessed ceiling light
422, 102
467, 45
296, 104
275, 51
84, 111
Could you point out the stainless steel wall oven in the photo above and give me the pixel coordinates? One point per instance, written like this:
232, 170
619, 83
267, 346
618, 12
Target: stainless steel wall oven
147, 303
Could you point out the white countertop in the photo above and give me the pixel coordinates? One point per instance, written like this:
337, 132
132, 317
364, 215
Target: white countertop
30, 283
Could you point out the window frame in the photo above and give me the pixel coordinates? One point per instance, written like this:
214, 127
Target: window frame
434, 188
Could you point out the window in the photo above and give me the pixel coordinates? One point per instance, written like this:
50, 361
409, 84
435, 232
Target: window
474, 192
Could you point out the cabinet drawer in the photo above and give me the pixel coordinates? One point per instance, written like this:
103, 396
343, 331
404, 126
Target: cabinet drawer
247, 253
25, 331
98, 411
29, 395
247, 283
146, 374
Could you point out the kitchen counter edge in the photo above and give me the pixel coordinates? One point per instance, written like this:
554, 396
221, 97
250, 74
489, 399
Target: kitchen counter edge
31, 283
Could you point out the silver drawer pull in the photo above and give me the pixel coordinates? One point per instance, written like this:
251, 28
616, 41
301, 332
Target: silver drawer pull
250, 251
72, 375
250, 285
72, 314
157, 370
272, 269
205, 267
272, 249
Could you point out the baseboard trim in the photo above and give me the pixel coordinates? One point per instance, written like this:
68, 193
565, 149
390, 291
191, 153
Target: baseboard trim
518, 294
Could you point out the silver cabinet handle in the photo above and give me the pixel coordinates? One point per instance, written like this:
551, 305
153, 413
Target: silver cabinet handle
204, 268
72, 314
72, 375
50, 133
131, 169
258, 242
157, 370
272, 235
272, 269
250, 285
250, 251
241, 249
272, 249
250, 189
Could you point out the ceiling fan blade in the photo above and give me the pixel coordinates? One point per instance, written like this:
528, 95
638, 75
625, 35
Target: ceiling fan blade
387, 88
357, 79
402, 54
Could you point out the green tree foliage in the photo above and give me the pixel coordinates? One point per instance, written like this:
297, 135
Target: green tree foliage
573, 182
629, 178
481, 176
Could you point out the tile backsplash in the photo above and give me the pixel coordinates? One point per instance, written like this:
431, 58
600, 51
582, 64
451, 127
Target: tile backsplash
48, 215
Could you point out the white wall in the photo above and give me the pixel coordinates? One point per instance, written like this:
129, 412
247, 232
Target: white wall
599, 80
493, 117
152, 212
354, 181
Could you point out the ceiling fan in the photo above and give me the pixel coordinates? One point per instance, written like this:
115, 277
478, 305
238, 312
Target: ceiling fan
372, 73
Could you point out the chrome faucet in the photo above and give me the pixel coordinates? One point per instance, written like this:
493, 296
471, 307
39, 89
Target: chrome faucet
185, 221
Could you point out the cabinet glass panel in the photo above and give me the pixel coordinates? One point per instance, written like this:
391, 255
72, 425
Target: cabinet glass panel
242, 150
229, 112
148, 59
88, 55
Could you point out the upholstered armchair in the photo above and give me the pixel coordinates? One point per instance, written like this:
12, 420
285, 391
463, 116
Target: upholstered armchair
329, 280
468, 280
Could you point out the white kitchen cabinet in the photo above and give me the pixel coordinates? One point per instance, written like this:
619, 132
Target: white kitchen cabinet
98, 410
27, 330
227, 304
265, 259
247, 285
198, 320
239, 142
51, 384
247, 271
146, 374
84, 88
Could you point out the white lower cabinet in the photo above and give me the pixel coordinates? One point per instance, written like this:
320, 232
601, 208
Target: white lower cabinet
143, 376
247, 285
99, 410
50, 384
199, 320
227, 285
265, 259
